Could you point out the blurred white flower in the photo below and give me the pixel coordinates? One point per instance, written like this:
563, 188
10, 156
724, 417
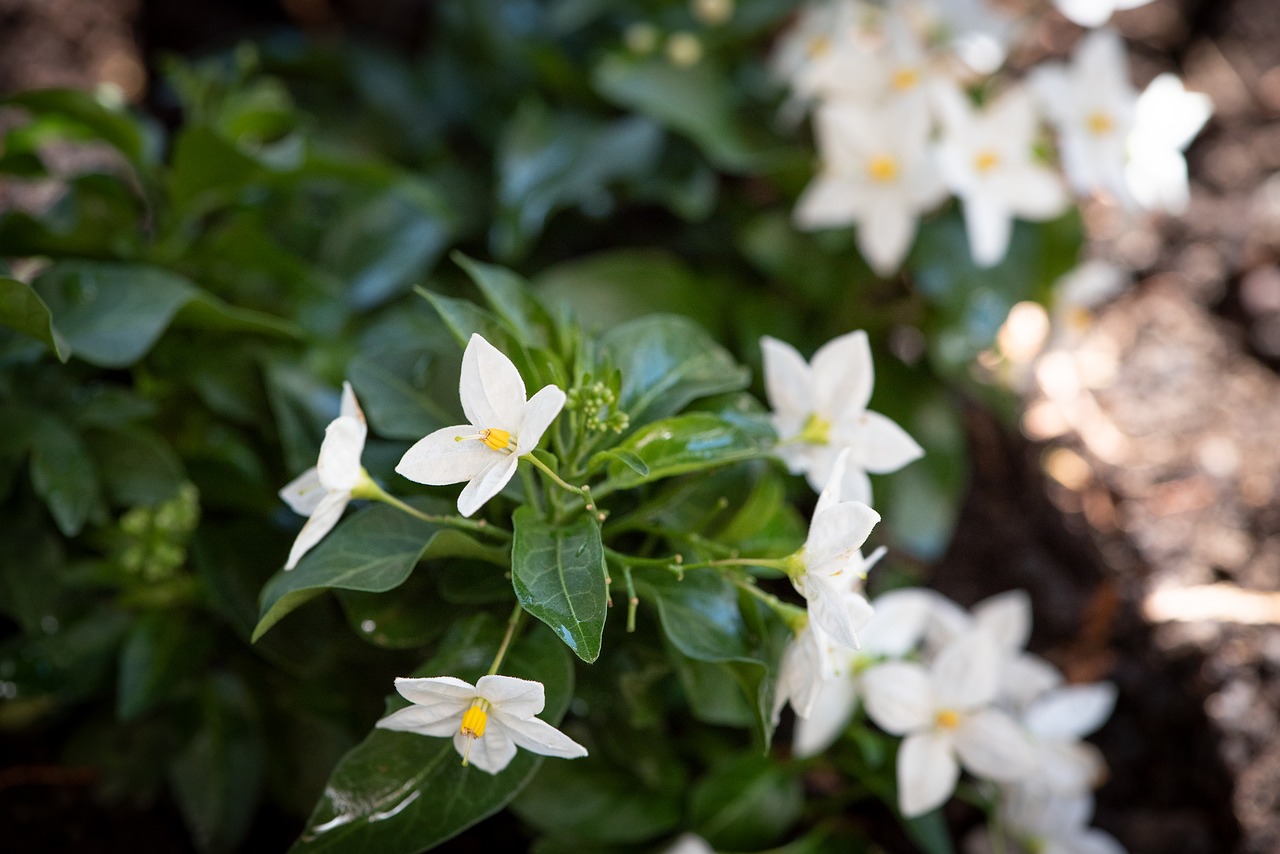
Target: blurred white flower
504, 426
1077, 294
976, 31
1056, 721
323, 491
987, 158
824, 50
945, 711
820, 410
1035, 822
876, 172
1167, 117
1094, 13
488, 720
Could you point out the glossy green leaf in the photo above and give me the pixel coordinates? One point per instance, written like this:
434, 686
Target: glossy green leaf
373, 551
589, 803
685, 443
746, 803
400, 792
413, 616
667, 362
510, 297
65, 475
22, 309
559, 573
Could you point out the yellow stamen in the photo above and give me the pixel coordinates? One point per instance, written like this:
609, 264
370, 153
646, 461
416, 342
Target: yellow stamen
818, 46
474, 721
947, 719
882, 168
986, 161
498, 440
904, 79
1100, 123
816, 431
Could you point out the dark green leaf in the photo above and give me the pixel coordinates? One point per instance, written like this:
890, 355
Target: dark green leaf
22, 309
138, 466
88, 116
156, 655
685, 443
746, 803
64, 475
593, 804
510, 297
559, 576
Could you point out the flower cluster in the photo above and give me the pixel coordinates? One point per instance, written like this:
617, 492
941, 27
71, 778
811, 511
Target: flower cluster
897, 132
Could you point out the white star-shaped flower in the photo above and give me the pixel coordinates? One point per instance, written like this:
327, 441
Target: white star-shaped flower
488, 720
323, 491
945, 711
824, 51
1033, 821
504, 426
829, 567
820, 410
1166, 119
988, 159
1091, 104
1056, 722
876, 172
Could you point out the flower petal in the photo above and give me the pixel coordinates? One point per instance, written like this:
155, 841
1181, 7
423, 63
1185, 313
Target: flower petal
897, 624
829, 609
927, 773
490, 387
326, 515
350, 406
425, 690
1071, 712
843, 376
491, 753
304, 493
439, 458
1007, 618
538, 736
829, 714
991, 744
424, 720
537, 416
966, 672
487, 483
989, 225
881, 445
1069, 768
339, 465
521, 698
835, 536
884, 238
899, 697
788, 380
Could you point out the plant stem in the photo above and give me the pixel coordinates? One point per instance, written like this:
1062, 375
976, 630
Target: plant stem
517, 615
793, 616
766, 562
370, 490
547, 470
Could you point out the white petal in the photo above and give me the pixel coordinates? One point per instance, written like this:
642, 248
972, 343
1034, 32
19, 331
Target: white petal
884, 238
487, 483
788, 381
491, 753
350, 406
830, 713
882, 446
831, 461
521, 698
855, 485
426, 690
439, 458
1071, 712
927, 773
967, 671
1026, 677
947, 620
800, 675
339, 464
991, 744
843, 375
304, 493
1069, 768
828, 202
423, 721
897, 624
490, 387
539, 736
989, 225
835, 536
538, 414
1007, 618
326, 515
1040, 195
1086, 13
899, 697
829, 610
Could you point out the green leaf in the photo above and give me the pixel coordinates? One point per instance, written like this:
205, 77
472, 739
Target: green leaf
411, 618
746, 803
667, 362
64, 475
86, 115
22, 309
137, 465
559, 577
158, 652
374, 551
511, 298
593, 804
685, 443
399, 792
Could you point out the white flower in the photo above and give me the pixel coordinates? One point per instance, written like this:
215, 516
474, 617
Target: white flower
988, 159
1036, 822
488, 720
976, 30
503, 427
824, 50
1094, 13
323, 491
829, 567
1091, 104
945, 711
876, 172
1056, 721
1166, 119
820, 410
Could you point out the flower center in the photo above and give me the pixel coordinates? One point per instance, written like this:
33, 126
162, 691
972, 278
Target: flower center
882, 168
818, 46
985, 161
474, 721
947, 719
904, 79
816, 431
492, 437
1100, 123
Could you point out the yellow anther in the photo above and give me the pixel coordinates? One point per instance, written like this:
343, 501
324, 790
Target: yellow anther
904, 79
1100, 123
818, 46
947, 719
816, 430
882, 168
474, 722
986, 161
495, 438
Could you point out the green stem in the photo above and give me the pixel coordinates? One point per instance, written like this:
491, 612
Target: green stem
517, 615
370, 490
766, 562
633, 601
549, 472
632, 560
796, 618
